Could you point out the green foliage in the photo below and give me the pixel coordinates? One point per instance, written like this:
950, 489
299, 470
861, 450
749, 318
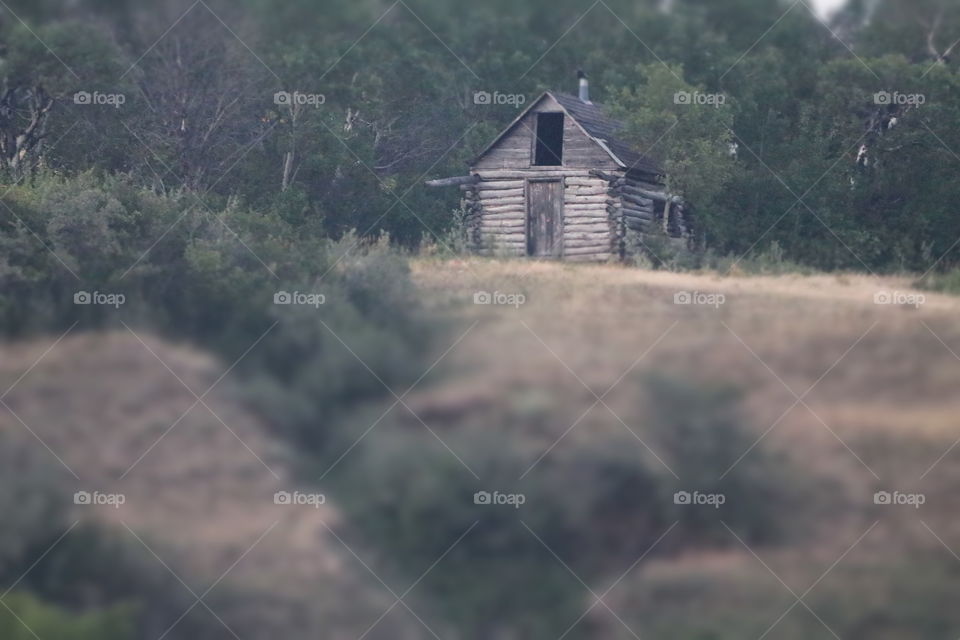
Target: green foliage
397, 105
948, 282
414, 500
596, 506
665, 120
701, 430
210, 275
26, 618
90, 584
29, 500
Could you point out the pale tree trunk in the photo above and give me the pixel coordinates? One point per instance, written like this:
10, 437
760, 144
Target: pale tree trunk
23, 119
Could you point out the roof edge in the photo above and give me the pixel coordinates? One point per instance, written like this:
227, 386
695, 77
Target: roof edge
600, 143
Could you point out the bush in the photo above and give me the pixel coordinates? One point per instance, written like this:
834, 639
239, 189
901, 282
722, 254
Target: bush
26, 618
770, 261
701, 431
29, 501
89, 570
414, 500
946, 282
209, 275
598, 503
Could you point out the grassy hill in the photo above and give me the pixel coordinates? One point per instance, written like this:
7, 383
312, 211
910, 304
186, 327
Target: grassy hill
597, 397
118, 413
877, 411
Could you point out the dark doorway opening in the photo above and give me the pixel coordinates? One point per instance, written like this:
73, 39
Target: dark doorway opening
549, 148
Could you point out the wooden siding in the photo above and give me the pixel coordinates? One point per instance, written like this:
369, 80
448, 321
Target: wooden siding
515, 149
588, 227
497, 213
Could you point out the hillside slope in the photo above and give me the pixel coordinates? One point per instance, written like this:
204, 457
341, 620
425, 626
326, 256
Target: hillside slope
858, 394
198, 482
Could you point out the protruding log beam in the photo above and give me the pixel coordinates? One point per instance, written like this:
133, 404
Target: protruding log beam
452, 182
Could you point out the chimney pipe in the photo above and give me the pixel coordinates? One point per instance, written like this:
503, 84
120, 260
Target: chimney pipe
584, 87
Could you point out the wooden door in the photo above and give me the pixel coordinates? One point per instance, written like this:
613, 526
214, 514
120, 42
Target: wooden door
544, 218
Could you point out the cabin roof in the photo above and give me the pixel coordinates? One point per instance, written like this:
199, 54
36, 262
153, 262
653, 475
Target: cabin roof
593, 120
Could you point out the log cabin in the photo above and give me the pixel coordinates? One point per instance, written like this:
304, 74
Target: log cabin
559, 182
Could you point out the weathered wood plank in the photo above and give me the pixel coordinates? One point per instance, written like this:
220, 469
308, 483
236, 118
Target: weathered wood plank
509, 208
532, 172
638, 201
502, 197
637, 213
592, 227
576, 199
520, 231
586, 191
586, 182
487, 185
545, 204
452, 182
589, 238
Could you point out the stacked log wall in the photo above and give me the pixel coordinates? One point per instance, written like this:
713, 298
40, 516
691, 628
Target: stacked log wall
499, 215
605, 213
589, 231
632, 208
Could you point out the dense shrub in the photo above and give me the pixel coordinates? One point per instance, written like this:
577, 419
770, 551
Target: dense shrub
120, 586
31, 506
947, 282
598, 505
26, 618
702, 432
413, 500
209, 276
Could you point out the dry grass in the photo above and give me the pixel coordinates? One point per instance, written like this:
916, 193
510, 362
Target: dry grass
202, 495
884, 367
881, 372
883, 411
884, 403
